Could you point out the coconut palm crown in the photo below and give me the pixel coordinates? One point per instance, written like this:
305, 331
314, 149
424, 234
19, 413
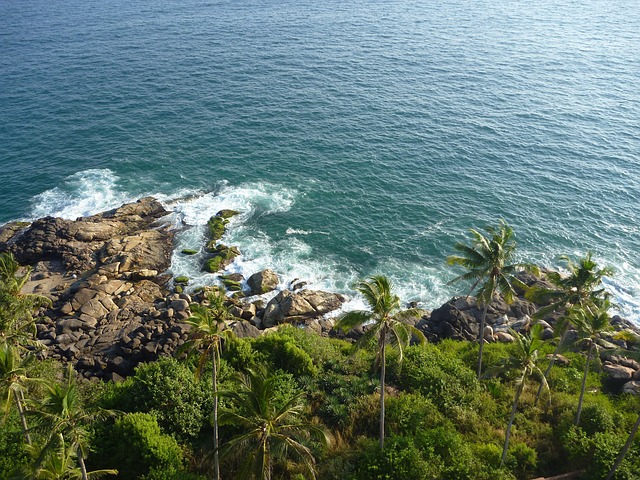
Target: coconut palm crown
271, 433
488, 261
13, 383
581, 286
61, 412
591, 323
16, 309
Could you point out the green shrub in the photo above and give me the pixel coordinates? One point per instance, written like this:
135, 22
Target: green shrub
188, 251
411, 413
442, 378
135, 444
565, 378
487, 463
337, 397
281, 351
168, 389
492, 354
13, 455
400, 460
239, 354
328, 354
159, 474
488, 453
181, 279
596, 417
522, 459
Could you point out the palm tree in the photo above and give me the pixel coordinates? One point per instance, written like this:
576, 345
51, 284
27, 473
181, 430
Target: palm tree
582, 287
13, 380
524, 359
487, 260
61, 413
16, 309
271, 433
590, 322
385, 322
208, 329
624, 450
57, 463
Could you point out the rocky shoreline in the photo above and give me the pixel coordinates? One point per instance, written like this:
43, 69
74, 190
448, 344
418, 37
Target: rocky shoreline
113, 305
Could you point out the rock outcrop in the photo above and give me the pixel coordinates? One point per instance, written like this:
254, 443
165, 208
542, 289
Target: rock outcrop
299, 307
103, 274
126, 239
262, 282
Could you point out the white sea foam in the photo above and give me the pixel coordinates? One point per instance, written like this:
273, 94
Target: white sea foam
83, 193
299, 231
251, 200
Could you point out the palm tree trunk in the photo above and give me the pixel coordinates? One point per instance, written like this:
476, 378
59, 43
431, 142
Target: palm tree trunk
83, 468
25, 428
548, 370
266, 460
624, 450
382, 375
516, 399
584, 383
481, 337
214, 375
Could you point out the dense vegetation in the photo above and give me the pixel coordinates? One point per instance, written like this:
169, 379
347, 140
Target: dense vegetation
292, 405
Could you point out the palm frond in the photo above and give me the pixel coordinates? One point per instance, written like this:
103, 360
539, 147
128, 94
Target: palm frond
350, 320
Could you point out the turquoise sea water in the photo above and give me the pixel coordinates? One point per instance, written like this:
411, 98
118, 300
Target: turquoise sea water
357, 137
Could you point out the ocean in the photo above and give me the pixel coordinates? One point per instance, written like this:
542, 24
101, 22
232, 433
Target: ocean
356, 137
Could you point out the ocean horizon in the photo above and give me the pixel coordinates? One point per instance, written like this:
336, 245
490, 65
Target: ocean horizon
354, 137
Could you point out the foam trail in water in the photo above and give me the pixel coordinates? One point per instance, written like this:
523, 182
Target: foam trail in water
297, 231
83, 193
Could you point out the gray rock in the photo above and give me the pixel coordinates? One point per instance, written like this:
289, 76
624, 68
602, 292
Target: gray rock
625, 361
94, 308
262, 282
632, 387
297, 306
244, 329
547, 334
488, 333
248, 311
618, 372
504, 337
179, 305
69, 325
464, 303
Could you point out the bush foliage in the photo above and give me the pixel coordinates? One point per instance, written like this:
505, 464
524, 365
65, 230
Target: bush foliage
441, 422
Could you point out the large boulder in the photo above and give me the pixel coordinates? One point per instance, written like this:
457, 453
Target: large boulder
449, 321
127, 235
296, 307
618, 372
262, 282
